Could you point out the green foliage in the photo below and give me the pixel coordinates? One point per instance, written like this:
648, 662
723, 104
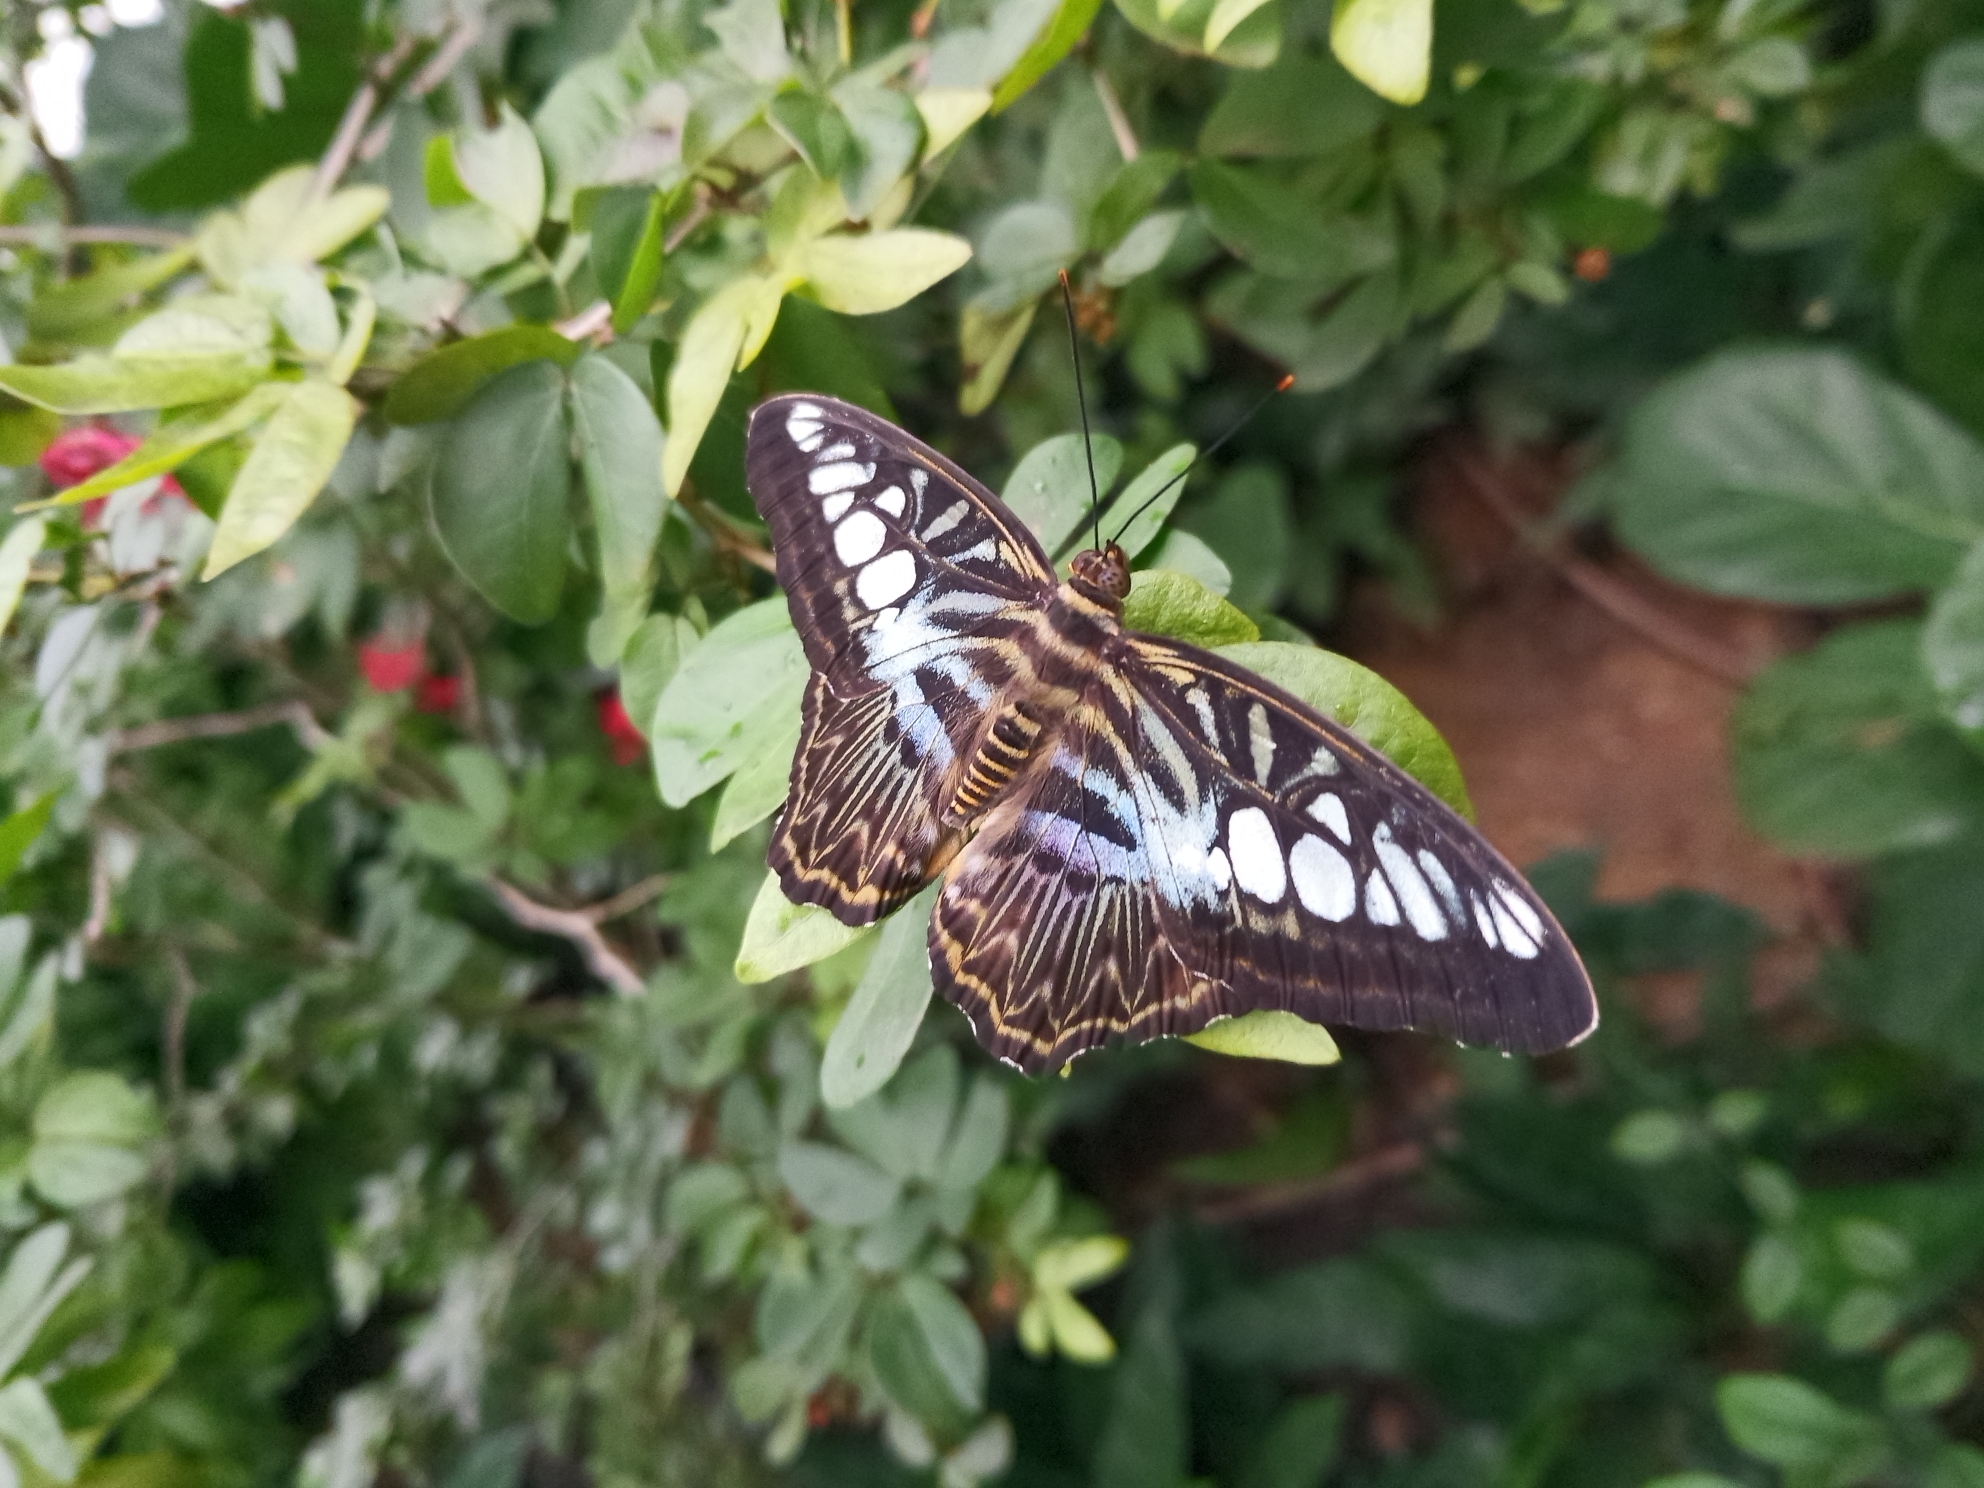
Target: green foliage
402, 1085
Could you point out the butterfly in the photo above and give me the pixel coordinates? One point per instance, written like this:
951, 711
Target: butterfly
1135, 837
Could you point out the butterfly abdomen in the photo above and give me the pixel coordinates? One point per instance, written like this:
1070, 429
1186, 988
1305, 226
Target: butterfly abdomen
996, 763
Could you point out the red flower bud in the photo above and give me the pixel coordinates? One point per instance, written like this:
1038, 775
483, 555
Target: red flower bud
392, 668
629, 744
438, 694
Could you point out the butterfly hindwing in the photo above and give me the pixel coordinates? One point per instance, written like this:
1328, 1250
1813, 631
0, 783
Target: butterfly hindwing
907, 583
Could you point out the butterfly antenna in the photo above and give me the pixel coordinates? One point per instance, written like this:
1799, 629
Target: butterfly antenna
1212, 449
1081, 397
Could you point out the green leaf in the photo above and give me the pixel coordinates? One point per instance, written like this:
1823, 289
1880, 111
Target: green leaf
629, 236
1789, 1424
1387, 45
1872, 1248
711, 344
1957, 1465
1953, 645
102, 384
1184, 553
72, 1175
285, 220
906, 1364
1021, 250
501, 491
1173, 604
813, 126
1772, 1276
1145, 1439
1366, 704
1479, 315
1255, 42
1139, 510
947, 113
836, 1186
442, 383
1861, 1319
1300, 1447
26, 431
32, 1286
291, 459
752, 36
1269, 1033
60, 311
888, 133
952, 1339
1068, 24
29, 1011
761, 781
978, 1137
1225, 20
880, 1021
1049, 489
96, 1106
1927, 1372
1952, 106
1268, 220
17, 553
170, 445
740, 684
1142, 248
21, 829
1074, 1329
780, 936
650, 659
1799, 476
988, 340
873, 272
29, 1422
503, 169
1303, 105
619, 443
1843, 750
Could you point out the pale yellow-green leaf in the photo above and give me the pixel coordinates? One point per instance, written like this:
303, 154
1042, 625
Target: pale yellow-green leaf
1225, 19
703, 364
101, 384
167, 446
1036, 1332
947, 114
1387, 45
183, 333
780, 936
17, 552
988, 340
285, 220
357, 336
1269, 1033
1070, 1265
504, 170
1076, 1332
761, 314
283, 473
878, 271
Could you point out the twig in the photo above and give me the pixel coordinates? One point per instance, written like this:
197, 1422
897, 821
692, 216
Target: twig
173, 1053
357, 114
1119, 122
442, 63
679, 234
33, 235
1634, 611
575, 926
1396, 1161
721, 531
588, 323
627, 900
309, 732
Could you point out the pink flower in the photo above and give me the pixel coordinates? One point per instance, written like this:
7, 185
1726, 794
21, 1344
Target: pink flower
389, 668
77, 454
627, 741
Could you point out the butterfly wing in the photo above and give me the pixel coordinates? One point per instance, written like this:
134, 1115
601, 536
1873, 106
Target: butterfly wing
1253, 855
908, 582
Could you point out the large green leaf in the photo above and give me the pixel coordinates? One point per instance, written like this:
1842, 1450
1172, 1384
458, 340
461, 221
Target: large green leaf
1385, 44
868, 273
1049, 489
881, 1019
1952, 105
740, 683
1282, 227
440, 384
781, 936
1366, 704
1163, 602
17, 552
291, 459
502, 169
1798, 475
171, 444
501, 490
1844, 751
619, 445
711, 344
1184, 27
1790, 1424
103, 384
1071, 19
1302, 105
1953, 645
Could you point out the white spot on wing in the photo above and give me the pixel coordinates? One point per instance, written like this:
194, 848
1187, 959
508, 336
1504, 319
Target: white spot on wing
1324, 880
1261, 739
1378, 901
803, 411
946, 520
1529, 919
1328, 809
1484, 920
1323, 763
859, 538
1202, 706
834, 507
1514, 941
892, 501
886, 580
919, 480
842, 475
1420, 907
1219, 868
1256, 854
1443, 884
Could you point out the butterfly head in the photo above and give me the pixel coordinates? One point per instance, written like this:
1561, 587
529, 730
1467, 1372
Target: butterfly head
1102, 574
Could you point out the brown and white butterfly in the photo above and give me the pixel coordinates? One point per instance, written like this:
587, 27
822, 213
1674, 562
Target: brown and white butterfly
1136, 837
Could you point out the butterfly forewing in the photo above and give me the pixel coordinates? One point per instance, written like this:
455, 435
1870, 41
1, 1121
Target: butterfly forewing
1180, 842
908, 582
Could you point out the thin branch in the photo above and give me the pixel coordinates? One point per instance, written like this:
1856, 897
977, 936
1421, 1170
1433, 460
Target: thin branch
173, 1052
1387, 1163
33, 235
589, 322
1119, 122
627, 900
679, 234
453, 48
357, 114
723, 532
1634, 611
309, 732
575, 926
